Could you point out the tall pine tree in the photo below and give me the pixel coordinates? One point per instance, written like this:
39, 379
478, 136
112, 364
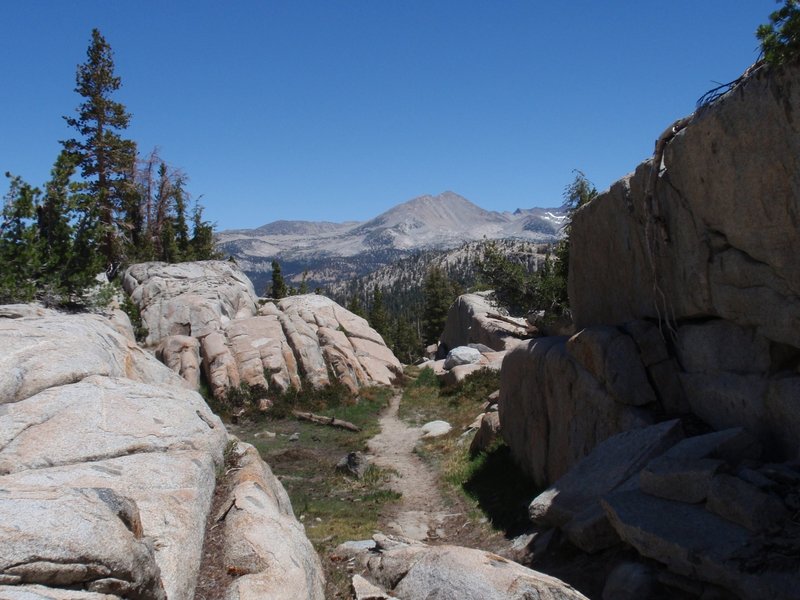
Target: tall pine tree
105, 158
378, 316
438, 295
278, 284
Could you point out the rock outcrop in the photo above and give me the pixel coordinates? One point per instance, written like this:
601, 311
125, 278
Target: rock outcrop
686, 296
559, 398
240, 340
715, 252
264, 544
704, 507
469, 322
50, 349
108, 465
408, 569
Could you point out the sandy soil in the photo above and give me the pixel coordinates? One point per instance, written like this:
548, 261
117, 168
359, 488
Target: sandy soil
421, 513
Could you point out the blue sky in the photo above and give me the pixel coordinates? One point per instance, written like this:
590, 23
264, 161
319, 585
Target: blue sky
338, 110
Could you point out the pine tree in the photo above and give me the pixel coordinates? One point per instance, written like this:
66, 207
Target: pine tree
106, 159
780, 38
438, 295
19, 242
354, 306
304, 283
406, 343
181, 228
53, 217
378, 317
202, 242
555, 296
278, 284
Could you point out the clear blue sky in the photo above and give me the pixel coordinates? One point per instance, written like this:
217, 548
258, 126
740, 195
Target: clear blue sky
338, 110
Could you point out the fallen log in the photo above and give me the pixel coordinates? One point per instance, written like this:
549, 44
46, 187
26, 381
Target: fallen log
526, 327
320, 420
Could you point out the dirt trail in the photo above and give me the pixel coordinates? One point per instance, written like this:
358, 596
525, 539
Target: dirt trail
421, 512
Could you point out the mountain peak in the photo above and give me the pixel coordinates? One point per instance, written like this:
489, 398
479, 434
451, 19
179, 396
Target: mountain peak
339, 251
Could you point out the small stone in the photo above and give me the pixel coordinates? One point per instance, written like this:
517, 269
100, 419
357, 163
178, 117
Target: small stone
487, 433
463, 355
434, 429
294, 437
364, 590
354, 463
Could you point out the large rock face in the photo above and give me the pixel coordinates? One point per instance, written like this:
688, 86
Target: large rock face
468, 322
687, 303
108, 466
557, 400
275, 346
729, 199
193, 298
55, 349
715, 252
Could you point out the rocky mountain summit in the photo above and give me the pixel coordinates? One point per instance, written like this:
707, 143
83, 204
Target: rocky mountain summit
333, 252
669, 423
108, 464
206, 316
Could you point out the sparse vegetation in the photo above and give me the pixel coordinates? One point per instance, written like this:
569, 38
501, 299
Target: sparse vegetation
490, 482
520, 289
333, 507
417, 291
135, 315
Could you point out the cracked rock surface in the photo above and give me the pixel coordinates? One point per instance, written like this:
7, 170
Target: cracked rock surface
296, 341
108, 465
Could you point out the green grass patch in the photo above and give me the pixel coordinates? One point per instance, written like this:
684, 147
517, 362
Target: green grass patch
424, 399
332, 506
499, 487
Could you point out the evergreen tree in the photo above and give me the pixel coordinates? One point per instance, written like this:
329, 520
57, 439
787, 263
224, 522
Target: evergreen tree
513, 285
304, 283
578, 193
780, 38
54, 219
19, 242
378, 317
278, 284
106, 159
406, 343
181, 228
202, 243
169, 246
438, 295
354, 306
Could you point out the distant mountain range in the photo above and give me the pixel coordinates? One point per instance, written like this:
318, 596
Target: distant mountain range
335, 252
